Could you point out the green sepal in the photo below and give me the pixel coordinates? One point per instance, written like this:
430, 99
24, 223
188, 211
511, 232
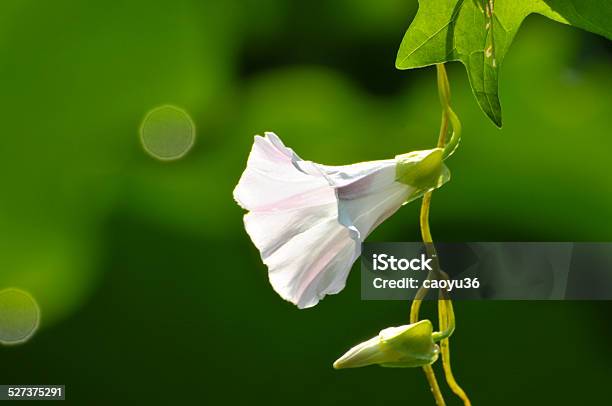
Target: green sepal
422, 170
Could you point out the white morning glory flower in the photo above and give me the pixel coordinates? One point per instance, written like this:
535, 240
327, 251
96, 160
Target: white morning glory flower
308, 220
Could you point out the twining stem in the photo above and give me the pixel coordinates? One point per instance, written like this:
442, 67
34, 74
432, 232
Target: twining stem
433, 385
416, 303
446, 316
445, 309
427, 239
445, 306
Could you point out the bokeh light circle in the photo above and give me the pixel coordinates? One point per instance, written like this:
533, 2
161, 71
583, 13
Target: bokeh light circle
167, 133
19, 316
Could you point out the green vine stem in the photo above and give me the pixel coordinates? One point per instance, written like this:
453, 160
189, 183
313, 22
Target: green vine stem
446, 316
445, 307
416, 303
433, 385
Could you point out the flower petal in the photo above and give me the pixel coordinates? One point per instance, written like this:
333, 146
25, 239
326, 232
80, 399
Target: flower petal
344, 175
272, 181
369, 201
308, 253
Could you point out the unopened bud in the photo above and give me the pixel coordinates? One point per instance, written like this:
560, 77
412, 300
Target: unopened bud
401, 347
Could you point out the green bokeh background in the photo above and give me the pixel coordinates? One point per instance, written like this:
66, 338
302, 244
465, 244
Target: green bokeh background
150, 289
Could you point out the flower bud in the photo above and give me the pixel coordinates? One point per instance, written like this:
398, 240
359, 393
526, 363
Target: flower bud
401, 347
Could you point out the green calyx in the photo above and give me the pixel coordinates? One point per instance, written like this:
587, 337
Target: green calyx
422, 170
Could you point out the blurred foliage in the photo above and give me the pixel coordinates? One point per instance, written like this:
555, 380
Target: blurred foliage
145, 277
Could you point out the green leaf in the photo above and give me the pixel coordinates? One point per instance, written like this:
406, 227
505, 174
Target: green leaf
478, 33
